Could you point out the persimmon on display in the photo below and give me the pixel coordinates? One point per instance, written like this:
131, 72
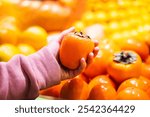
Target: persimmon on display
120, 70
140, 83
52, 15
124, 65
132, 93
75, 46
75, 89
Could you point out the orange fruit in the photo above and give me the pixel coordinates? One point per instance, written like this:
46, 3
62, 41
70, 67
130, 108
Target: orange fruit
145, 70
35, 36
136, 45
99, 80
7, 51
53, 90
75, 46
147, 61
75, 89
141, 83
83, 77
9, 33
26, 49
100, 62
124, 65
132, 93
103, 92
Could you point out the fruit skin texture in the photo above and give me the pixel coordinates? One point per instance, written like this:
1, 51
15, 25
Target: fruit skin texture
75, 89
9, 33
120, 71
103, 92
138, 46
73, 48
100, 80
54, 90
145, 70
132, 93
141, 83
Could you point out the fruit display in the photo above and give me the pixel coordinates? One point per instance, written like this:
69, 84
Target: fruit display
52, 15
120, 70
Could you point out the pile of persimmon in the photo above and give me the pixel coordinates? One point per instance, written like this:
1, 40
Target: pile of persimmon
52, 15
118, 72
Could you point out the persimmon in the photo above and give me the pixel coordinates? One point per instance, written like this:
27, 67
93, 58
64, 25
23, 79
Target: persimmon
132, 93
136, 45
83, 77
9, 33
75, 89
141, 83
102, 92
147, 61
145, 70
99, 64
53, 15
101, 79
54, 90
75, 46
124, 65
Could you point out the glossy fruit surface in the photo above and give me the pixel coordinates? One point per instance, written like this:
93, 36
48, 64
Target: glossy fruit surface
102, 92
124, 65
75, 46
75, 89
132, 93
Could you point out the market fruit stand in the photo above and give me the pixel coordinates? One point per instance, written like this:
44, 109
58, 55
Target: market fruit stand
120, 26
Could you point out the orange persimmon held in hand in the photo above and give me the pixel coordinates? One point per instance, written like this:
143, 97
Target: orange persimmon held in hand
124, 65
75, 46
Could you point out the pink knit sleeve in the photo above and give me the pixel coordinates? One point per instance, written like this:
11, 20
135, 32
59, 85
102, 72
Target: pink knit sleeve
23, 76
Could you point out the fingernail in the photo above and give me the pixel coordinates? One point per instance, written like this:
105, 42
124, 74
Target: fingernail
72, 28
82, 59
96, 48
91, 54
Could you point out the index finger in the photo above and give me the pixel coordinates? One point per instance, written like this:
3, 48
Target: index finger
65, 32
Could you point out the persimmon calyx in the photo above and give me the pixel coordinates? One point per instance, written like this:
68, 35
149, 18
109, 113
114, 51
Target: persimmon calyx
82, 35
125, 57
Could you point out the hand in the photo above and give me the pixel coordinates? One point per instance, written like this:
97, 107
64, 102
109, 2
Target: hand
67, 73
